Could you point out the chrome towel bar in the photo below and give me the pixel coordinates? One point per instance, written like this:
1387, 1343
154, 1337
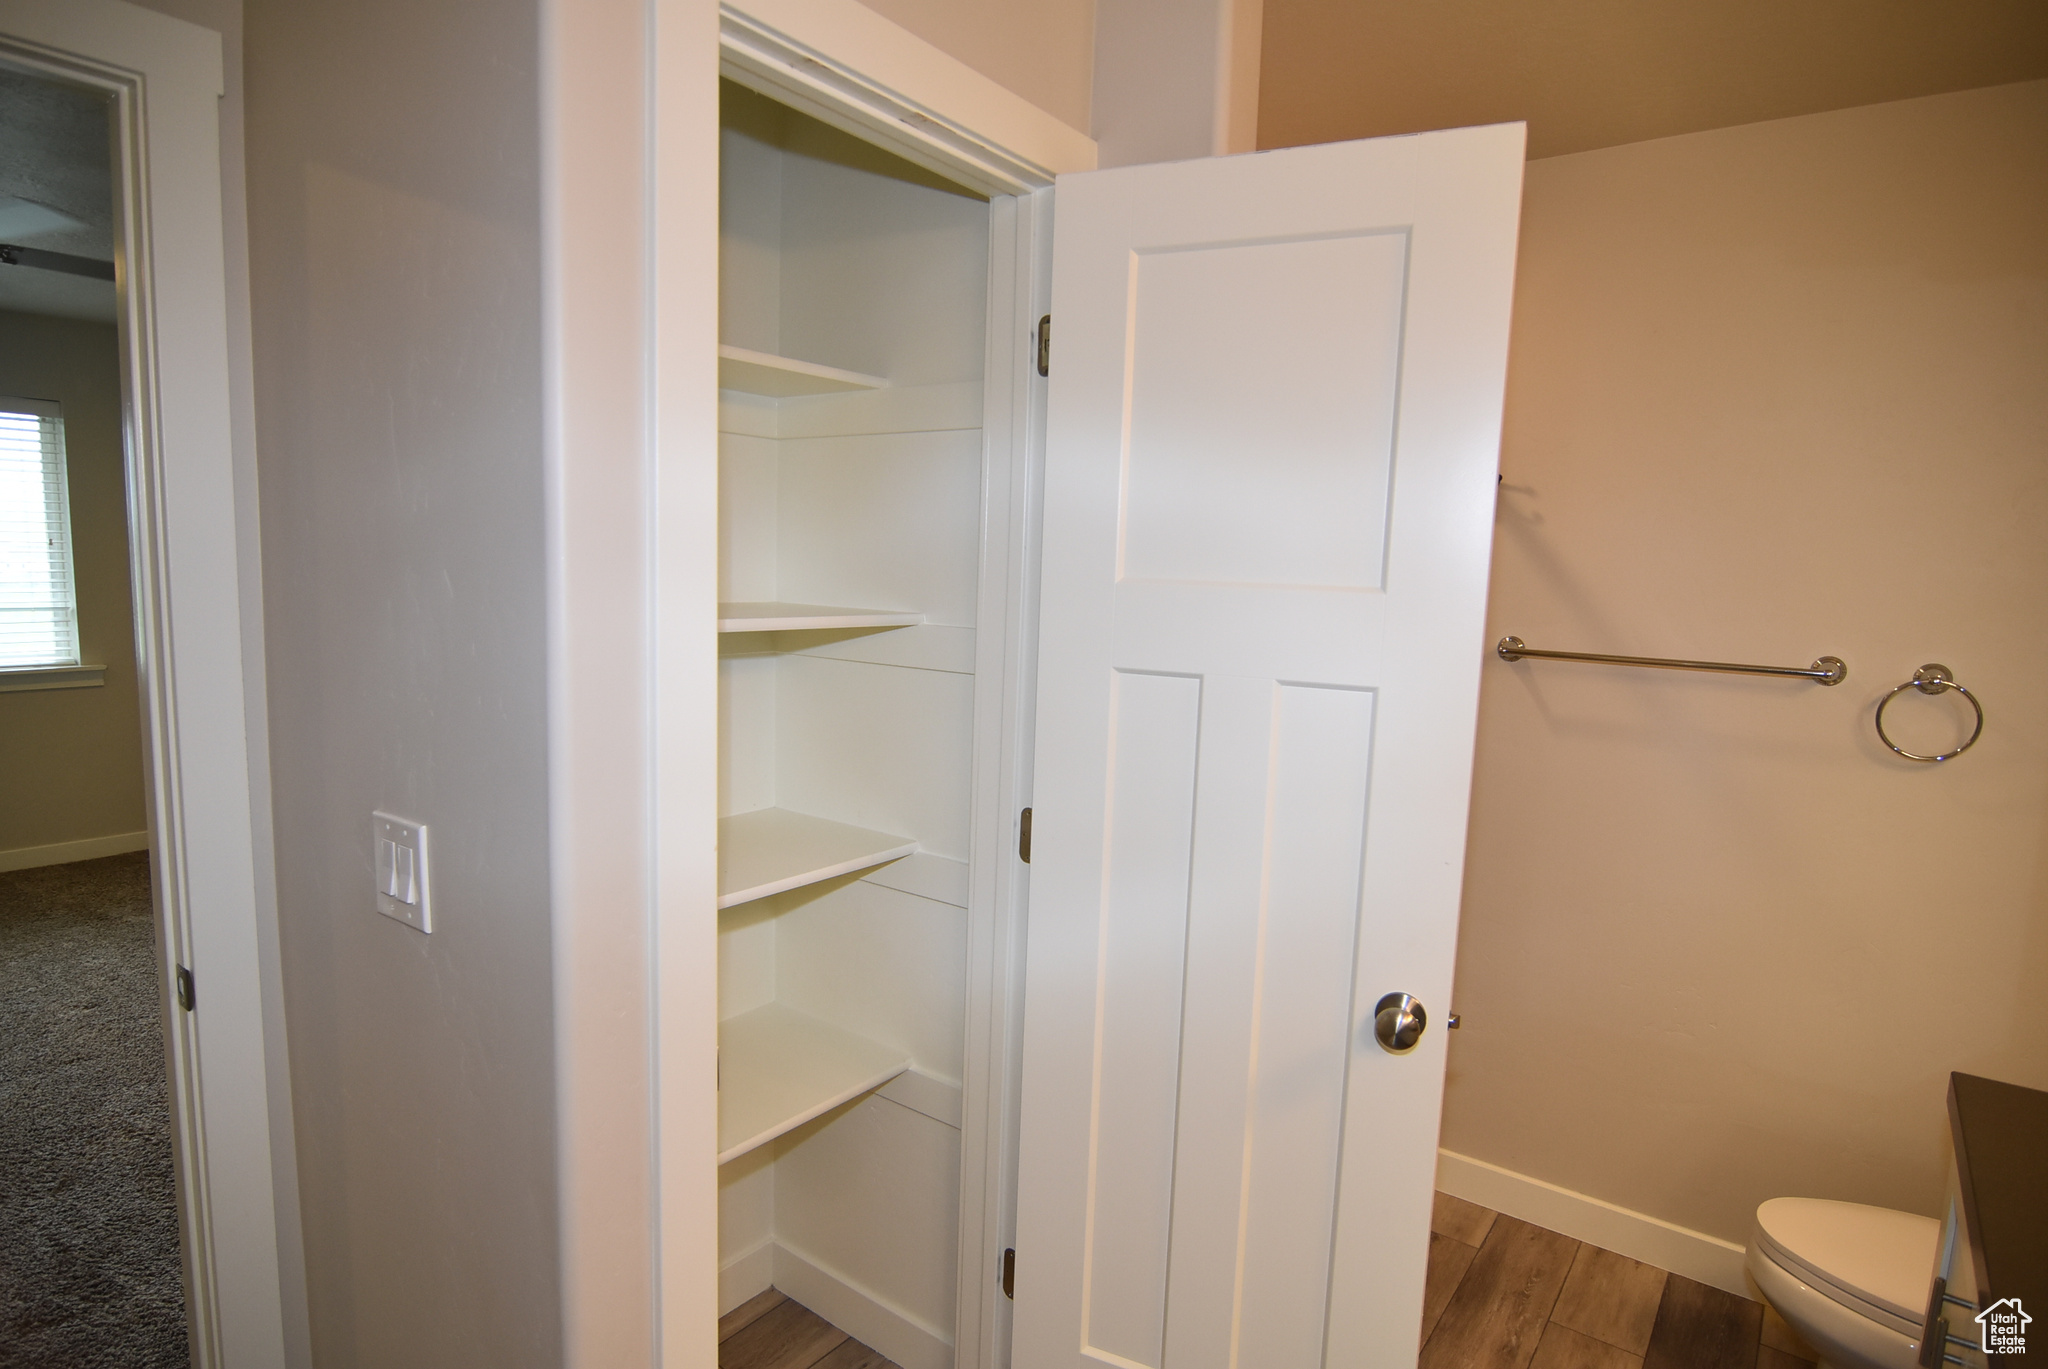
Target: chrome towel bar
1828, 670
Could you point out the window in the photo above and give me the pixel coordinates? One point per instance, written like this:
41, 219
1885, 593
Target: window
38, 607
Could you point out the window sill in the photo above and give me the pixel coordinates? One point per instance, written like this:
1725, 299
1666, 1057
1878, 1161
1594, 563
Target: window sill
52, 677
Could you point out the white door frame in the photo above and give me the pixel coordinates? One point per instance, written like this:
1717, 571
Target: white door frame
164, 77
840, 62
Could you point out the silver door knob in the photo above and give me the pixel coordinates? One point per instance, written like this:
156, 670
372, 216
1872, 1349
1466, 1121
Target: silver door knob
1397, 1022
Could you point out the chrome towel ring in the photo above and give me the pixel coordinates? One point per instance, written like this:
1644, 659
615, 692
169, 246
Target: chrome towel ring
1930, 679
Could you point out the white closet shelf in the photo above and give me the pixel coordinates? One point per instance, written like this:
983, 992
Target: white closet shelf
776, 617
774, 377
778, 1068
772, 849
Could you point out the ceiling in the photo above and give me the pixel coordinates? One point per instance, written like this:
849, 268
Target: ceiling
55, 155
1598, 73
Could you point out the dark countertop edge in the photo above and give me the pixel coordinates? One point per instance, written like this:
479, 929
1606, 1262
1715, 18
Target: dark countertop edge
1992, 1124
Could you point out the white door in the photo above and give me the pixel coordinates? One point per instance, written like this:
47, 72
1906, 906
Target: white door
1271, 455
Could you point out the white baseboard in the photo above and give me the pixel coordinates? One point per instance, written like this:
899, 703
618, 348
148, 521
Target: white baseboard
746, 1276
1639, 1236
901, 1337
64, 852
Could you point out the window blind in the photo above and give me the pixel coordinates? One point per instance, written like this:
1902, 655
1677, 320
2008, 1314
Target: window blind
38, 606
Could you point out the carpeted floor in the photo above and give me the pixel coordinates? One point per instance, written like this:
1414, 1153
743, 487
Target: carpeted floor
89, 1264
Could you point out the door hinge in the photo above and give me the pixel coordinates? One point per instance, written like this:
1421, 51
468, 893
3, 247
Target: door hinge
188, 993
1010, 1275
1024, 836
1045, 345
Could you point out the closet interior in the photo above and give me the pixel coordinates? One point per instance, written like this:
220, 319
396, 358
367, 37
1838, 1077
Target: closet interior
853, 298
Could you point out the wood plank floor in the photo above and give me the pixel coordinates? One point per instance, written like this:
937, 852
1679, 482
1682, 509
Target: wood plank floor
1503, 1294
775, 1332
1500, 1294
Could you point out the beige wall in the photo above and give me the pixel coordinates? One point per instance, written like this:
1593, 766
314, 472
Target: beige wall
71, 759
1044, 51
394, 227
1774, 391
1598, 73
1175, 79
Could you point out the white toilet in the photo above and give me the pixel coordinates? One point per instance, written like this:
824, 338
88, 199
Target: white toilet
1851, 1279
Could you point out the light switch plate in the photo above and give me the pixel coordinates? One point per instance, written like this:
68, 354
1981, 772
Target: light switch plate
401, 855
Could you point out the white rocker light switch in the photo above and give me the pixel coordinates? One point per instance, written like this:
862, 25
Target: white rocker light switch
402, 870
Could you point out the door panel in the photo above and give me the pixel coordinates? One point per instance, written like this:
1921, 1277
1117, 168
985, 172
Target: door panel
1272, 922
1222, 321
1273, 431
1144, 946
